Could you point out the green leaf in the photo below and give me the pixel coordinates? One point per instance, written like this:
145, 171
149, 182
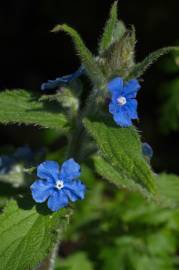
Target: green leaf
139, 69
28, 234
168, 186
88, 61
109, 29
20, 106
107, 171
121, 148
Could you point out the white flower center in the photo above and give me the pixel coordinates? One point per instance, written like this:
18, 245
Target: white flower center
121, 100
59, 184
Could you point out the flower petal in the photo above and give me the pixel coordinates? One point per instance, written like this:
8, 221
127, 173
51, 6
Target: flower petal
48, 170
131, 88
75, 190
131, 108
115, 87
41, 190
113, 107
57, 200
122, 118
70, 170
52, 84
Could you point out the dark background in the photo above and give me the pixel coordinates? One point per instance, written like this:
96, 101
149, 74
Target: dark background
30, 55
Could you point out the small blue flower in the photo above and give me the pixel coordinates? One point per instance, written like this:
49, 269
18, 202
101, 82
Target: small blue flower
147, 150
52, 84
123, 104
58, 185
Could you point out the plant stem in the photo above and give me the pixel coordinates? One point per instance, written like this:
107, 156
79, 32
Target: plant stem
79, 135
49, 262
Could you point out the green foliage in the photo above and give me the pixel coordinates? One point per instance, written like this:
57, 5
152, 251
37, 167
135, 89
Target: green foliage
138, 233
110, 173
90, 209
86, 56
119, 58
168, 185
119, 32
116, 47
132, 252
76, 261
121, 148
27, 234
21, 107
169, 111
126, 231
109, 30
139, 69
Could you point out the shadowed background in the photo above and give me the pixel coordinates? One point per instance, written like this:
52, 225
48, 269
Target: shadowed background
30, 55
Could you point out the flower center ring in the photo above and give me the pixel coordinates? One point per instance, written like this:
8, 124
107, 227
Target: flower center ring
59, 184
121, 100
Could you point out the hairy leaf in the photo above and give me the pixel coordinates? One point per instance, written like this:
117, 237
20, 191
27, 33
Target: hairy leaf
121, 148
28, 234
20, 106
109, 29
107, 171
86, 56
139, 69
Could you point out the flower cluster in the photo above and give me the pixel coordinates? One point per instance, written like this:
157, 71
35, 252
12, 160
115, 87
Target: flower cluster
58, 185
123, 105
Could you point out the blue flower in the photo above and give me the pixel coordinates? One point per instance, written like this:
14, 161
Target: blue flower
147, 150
123, 104
58, 185
52, 84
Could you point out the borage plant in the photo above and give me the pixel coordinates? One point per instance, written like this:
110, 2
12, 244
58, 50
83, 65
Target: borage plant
102, 141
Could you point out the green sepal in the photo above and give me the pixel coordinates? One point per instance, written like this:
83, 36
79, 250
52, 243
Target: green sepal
91, 67
110, 28
138, 70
